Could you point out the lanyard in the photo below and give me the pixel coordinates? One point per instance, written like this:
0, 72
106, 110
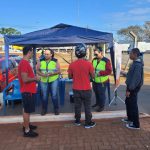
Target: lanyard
47, 63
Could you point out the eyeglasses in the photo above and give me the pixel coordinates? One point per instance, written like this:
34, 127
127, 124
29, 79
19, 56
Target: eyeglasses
46, 49
47, 54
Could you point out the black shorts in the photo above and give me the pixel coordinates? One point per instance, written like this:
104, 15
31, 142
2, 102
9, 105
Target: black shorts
28, 100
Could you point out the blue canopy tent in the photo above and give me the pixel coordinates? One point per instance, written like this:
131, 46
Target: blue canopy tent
59, 35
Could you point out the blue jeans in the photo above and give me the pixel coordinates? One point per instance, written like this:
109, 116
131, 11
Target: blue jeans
99, 90
52, 89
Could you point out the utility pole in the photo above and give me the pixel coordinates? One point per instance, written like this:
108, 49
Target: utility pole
134, 37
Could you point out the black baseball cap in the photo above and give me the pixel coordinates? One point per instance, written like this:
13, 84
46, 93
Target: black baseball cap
99, 49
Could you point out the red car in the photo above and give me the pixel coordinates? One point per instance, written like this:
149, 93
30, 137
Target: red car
12, 72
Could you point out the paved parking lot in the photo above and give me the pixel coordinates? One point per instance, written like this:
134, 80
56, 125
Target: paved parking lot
109, 134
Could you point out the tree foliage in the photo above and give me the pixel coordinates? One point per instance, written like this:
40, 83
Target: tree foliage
125, 36
142, 32
147, 30
9, 31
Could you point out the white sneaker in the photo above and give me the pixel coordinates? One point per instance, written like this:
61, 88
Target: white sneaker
131, 126
90, 125
125, 120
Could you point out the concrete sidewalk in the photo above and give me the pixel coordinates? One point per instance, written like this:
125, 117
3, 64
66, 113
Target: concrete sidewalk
109, 134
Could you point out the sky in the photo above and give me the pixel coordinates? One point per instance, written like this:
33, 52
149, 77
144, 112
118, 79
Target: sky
103, 15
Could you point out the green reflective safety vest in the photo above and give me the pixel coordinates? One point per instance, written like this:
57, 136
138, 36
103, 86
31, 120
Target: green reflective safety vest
101, 66
48, 67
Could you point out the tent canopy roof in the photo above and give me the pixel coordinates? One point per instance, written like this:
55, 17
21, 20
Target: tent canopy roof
60, 35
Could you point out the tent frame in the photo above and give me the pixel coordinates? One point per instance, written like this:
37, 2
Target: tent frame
66, 40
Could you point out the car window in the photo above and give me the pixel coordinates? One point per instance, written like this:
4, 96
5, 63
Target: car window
11, 65
3, 65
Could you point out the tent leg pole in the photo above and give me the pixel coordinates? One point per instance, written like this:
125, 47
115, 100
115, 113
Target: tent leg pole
34, 59
6, 60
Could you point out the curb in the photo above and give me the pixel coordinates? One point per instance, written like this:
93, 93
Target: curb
66, 117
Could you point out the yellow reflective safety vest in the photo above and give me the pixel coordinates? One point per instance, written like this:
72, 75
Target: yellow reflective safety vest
49, 67
100, 66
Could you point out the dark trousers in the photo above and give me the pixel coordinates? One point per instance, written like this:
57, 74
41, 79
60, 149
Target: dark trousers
132, 108
83, 96
99, 90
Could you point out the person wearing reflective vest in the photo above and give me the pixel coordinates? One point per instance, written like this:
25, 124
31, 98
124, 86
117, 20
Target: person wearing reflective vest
102, 67
49, 70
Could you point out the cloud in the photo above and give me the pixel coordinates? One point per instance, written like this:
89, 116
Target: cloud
140, 2
131, 16
136, 16
136, 12
139, 11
